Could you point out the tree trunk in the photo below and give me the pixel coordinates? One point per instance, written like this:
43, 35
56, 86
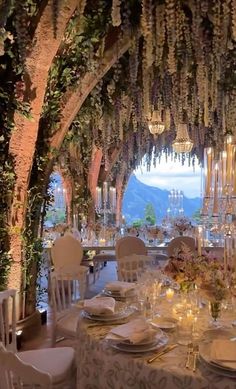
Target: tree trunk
23, 139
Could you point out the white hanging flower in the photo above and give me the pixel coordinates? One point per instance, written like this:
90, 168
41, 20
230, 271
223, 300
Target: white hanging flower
115, 13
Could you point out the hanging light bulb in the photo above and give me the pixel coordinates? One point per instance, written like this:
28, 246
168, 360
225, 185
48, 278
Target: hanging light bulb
182, 142
155, 124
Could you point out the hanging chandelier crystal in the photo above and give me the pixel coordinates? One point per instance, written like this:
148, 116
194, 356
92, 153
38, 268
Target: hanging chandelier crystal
182, 142
155, 124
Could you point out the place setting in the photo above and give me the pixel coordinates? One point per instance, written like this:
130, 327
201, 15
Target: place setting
136, 337
105, 310
219, 355
121, 290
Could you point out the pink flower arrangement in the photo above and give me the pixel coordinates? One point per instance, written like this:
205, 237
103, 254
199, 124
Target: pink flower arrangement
205, 271
181, 224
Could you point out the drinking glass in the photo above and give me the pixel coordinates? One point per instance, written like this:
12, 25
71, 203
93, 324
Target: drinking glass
215, 311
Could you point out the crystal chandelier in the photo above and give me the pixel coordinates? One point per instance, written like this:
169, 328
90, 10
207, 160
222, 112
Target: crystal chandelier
155, 124
182, 142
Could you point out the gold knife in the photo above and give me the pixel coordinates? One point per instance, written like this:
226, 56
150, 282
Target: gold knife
164, 351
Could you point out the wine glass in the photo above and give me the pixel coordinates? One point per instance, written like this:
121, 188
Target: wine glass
215, 311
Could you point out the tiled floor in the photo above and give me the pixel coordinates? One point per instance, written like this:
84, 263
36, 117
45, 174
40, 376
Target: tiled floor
43, 339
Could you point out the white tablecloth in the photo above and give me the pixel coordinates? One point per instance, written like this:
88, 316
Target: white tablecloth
101, 367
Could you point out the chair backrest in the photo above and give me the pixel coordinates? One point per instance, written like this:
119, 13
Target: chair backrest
15, 374
66, 251
8, 319
65, 291
130, 268
129, 245
176, 243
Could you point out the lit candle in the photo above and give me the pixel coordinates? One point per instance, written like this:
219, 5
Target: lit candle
199, 241
112, 192
98, 197
105, 192
189, 317
102, 242
169, 294
229, 160
208, 171
234, 172
215, 201
223, 168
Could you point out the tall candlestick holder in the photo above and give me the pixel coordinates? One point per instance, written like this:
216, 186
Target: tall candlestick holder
219, 202
175, 204
105, 204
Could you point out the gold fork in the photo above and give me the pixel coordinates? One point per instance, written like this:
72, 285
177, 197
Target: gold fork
195, 356
189, 355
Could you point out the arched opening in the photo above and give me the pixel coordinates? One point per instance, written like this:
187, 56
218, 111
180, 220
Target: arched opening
169, 187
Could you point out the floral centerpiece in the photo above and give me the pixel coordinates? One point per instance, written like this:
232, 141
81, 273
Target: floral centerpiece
204, 271
181, 224
153, 233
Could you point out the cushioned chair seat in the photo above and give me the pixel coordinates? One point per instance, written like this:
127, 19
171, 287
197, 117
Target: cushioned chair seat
67, 323
54, 361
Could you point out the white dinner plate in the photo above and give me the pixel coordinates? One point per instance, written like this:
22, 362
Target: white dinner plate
118, 296
113, 338
119, 309
109, 318
165, 323
141, 348
218, 333
218, 368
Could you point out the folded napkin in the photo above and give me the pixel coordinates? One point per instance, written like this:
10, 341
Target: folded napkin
121, 287
135, 332
223, 352
100, 306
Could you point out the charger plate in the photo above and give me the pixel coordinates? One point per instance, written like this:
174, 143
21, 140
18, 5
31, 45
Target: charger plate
121, 312
216, 367
165, 323
157, 343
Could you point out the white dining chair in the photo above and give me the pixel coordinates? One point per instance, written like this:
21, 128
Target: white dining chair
66, 256
65, 296
131, 267
176, 243
58, 363
15, 374
129, 245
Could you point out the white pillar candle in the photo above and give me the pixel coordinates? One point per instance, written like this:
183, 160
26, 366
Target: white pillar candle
215, 210
208, 171
234, 171
229, 160
98, 197
223, 168
105, 192
199, 241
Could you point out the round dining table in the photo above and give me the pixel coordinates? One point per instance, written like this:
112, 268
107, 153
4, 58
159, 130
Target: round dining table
99, 366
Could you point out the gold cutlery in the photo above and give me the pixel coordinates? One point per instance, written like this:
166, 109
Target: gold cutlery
164, 351
189, 355
195, 356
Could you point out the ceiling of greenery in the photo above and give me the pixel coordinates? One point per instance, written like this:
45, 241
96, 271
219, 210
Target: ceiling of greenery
181, 63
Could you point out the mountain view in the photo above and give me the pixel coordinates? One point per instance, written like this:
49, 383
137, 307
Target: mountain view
138, 195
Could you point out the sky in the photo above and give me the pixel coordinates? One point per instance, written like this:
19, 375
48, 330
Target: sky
172, 175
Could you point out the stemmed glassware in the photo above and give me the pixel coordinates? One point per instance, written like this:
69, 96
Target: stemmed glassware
215, 311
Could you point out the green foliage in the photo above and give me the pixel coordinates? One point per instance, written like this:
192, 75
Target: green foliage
137, 223
150, 215
197, 216
55, 216
79, 55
